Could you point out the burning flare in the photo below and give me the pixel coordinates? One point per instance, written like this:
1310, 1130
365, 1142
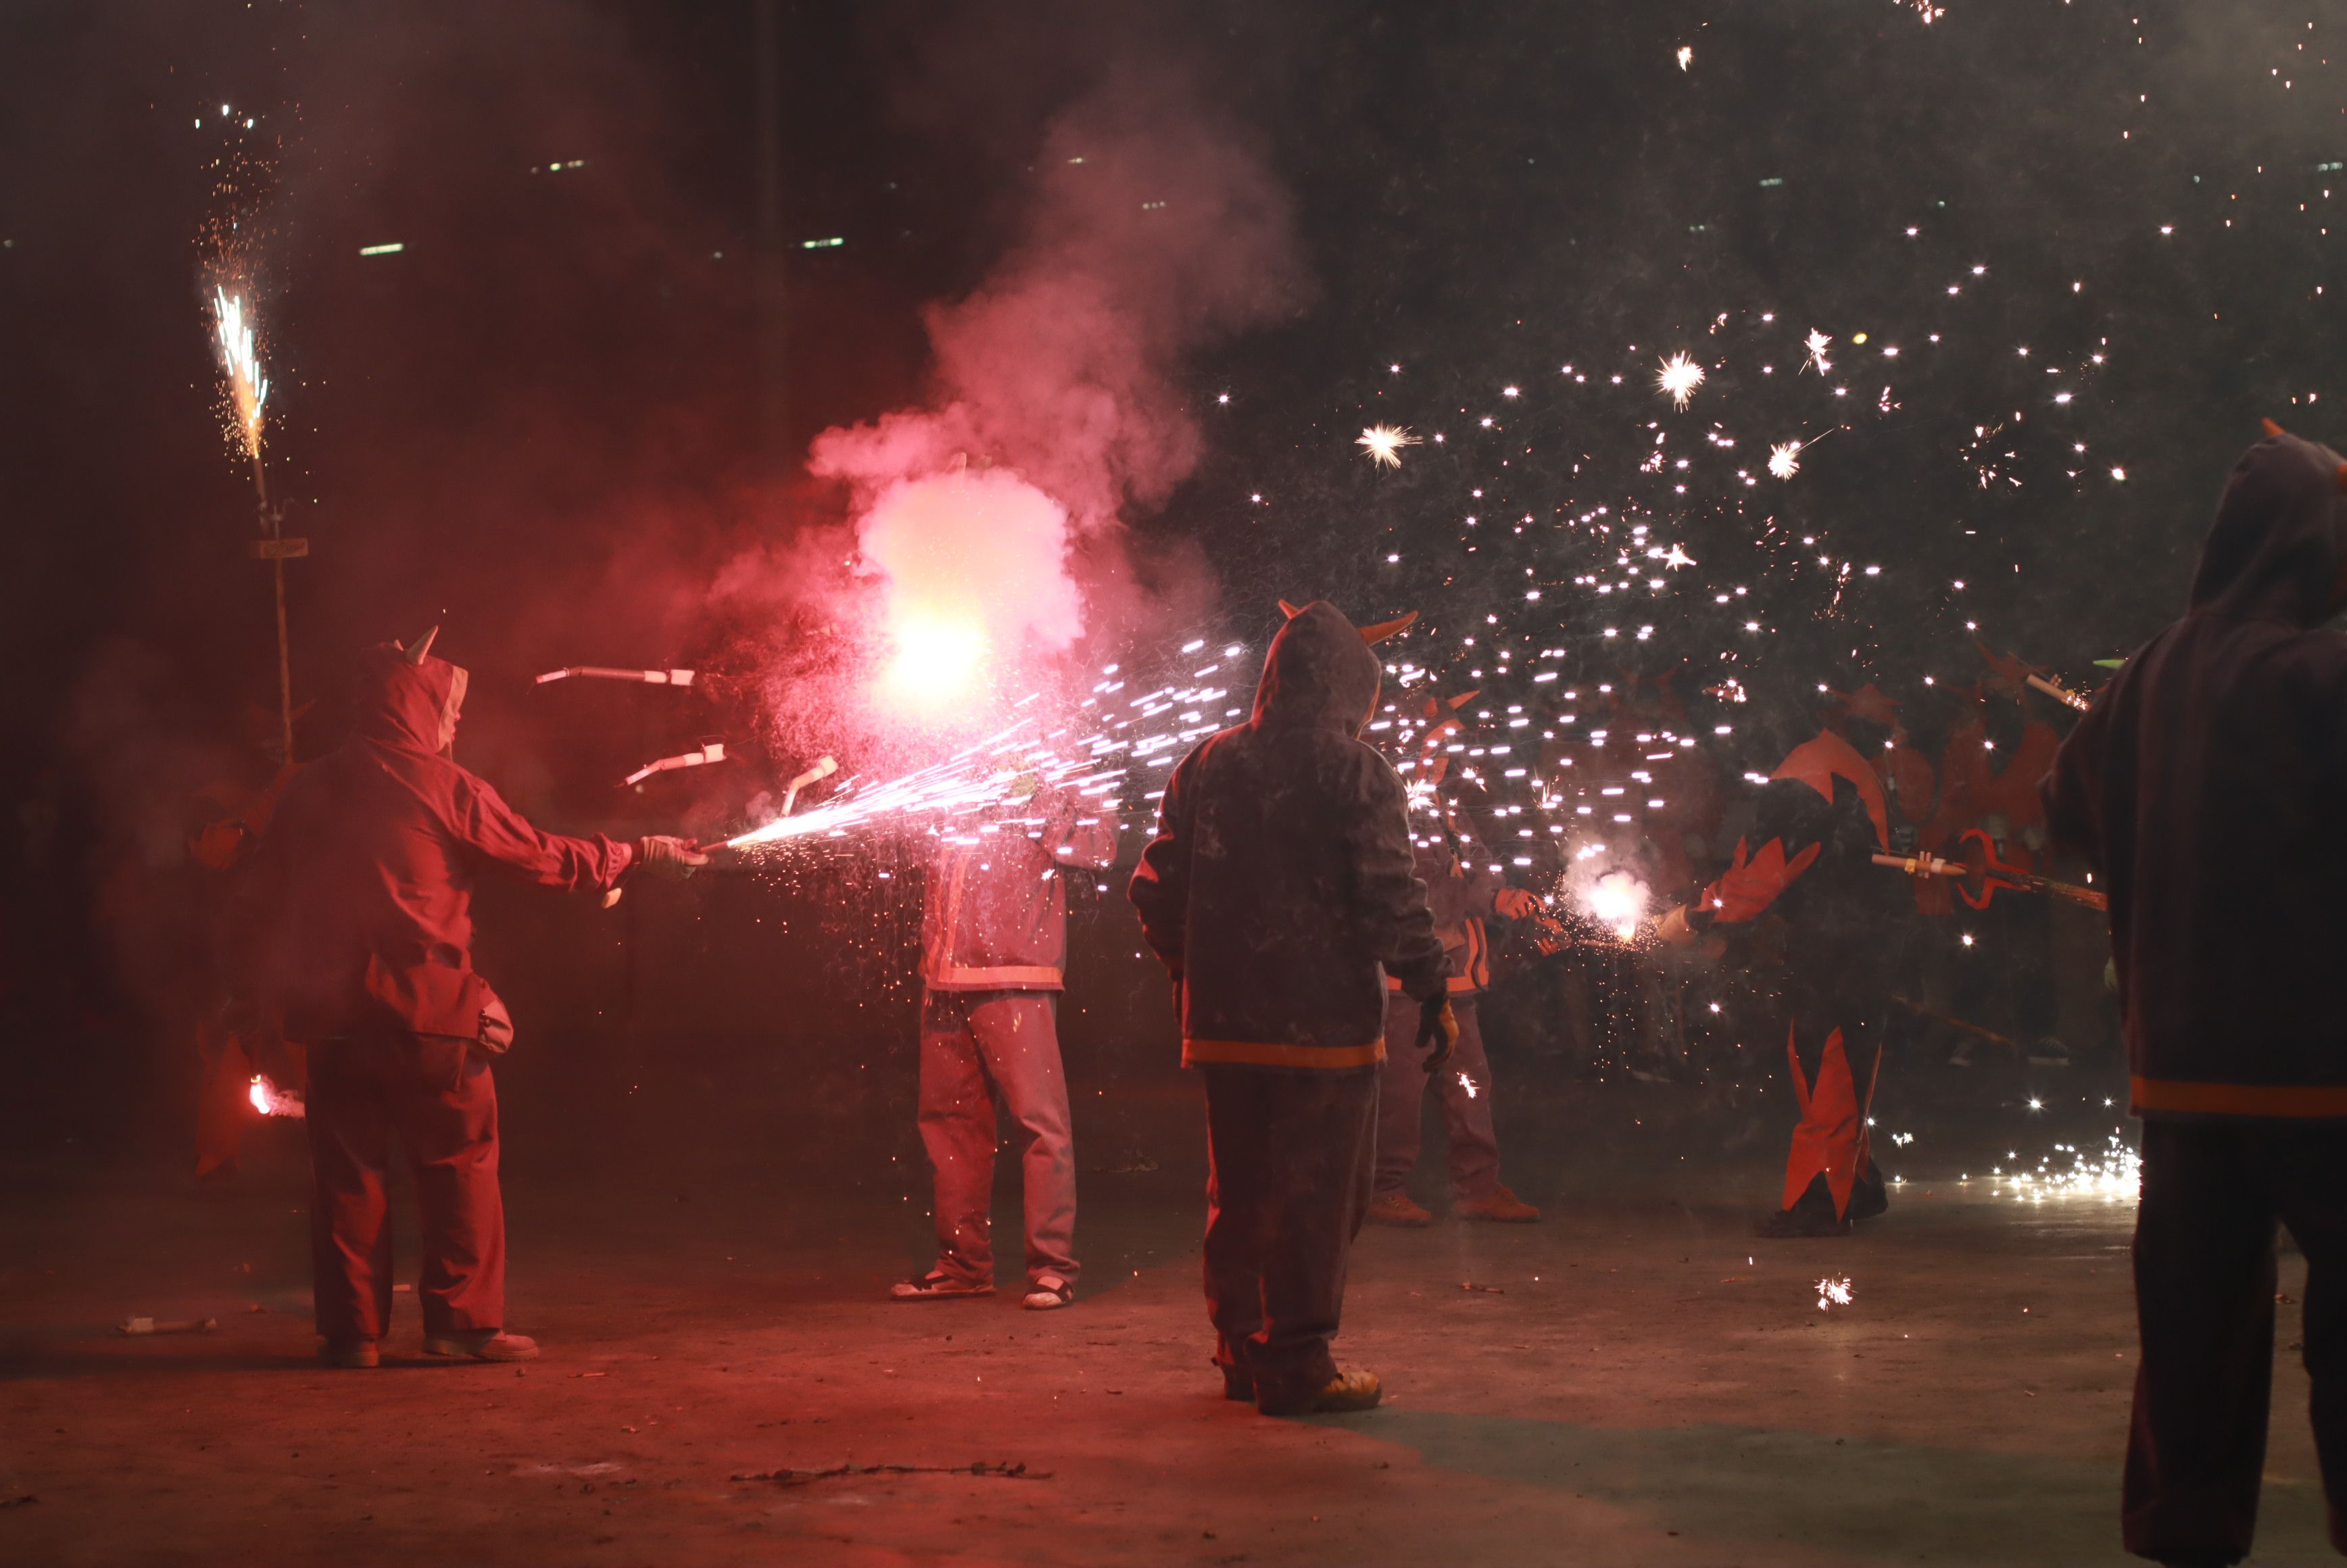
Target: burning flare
271, 1101
1785, 459
1616, 900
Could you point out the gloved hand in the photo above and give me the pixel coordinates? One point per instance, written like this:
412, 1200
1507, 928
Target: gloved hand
670, 855
1437, 1031
1672, 928
1514, 903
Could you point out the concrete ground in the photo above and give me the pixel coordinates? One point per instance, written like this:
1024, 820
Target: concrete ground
1634, 1380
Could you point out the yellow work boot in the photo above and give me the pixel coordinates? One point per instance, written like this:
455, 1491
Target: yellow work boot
1396, 1208
1499, 1205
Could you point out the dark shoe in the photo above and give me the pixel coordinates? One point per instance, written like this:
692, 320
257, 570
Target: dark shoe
2049, 1052
1396, 1208
1344, 1394
937, 1285
350, 1353
1499, 1205
1789, 1224
482, 1345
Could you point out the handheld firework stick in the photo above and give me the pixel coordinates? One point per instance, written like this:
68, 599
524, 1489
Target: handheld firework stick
709, 751
2059, 692
824, 768
1980, 874
605, 672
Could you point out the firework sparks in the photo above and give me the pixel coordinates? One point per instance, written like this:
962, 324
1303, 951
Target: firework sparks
1785, 459
1468, 1085
247, 390
1384, 443
1616, 900
1816, 343
1832, 1292
1687, 55
1679, 377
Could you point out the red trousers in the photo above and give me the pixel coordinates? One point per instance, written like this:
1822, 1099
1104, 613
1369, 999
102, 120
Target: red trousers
446, 1118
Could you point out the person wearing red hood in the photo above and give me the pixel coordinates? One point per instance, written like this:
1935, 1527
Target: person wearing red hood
2204, 785
1279, 893
360, 912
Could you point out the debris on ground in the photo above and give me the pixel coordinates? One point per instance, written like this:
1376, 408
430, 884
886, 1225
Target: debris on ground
168, 1324
1002, 1469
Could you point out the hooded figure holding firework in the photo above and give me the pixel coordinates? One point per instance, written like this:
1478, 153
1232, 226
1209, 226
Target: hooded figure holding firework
1279, 892
360, 921
2204, 785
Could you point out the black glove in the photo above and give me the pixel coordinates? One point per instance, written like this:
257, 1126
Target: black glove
669, 856
1437, 1031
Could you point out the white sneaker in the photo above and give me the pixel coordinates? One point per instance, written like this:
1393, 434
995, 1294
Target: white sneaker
1048, 1293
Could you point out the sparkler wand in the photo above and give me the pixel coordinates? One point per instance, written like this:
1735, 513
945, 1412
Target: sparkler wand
237, 342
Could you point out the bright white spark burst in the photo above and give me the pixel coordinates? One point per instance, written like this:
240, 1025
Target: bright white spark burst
1832, 1292
1785, 459
1686, 56
1468, 1085
1818, 342
1617, 900
240, 355
1384, 443
2115, 1172
1679, 377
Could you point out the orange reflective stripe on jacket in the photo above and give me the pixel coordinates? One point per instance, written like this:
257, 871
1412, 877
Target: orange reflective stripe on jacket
1279, 1053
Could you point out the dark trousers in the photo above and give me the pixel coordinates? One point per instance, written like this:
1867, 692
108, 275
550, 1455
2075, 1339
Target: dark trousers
2204, 1287
1464, 1087
447, 1120
1287, 1186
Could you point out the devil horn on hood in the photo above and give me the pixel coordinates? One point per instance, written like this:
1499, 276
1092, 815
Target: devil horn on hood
417, 649
2271, 428
1290, 611
1373, 635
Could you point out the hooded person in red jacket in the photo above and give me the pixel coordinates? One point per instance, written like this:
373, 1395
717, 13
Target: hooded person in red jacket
2204, 787
360, 914
1279, 893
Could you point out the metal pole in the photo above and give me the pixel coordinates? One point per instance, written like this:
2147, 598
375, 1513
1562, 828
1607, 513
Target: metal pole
770, 282
274, 523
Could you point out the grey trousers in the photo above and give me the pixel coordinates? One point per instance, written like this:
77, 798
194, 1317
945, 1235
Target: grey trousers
1464, 1085
979, 1049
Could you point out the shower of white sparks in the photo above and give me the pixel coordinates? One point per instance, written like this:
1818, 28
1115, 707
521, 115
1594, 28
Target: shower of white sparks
1679, 377
247, 389
1818, 342
2114, 1172
1677, 558
1832, 1292
1384, 443
1785, 459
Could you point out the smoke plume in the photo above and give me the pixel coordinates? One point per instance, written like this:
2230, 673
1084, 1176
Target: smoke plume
1054, 410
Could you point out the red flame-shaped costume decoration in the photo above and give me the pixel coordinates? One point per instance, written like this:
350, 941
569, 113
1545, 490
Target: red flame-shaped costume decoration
1821, 818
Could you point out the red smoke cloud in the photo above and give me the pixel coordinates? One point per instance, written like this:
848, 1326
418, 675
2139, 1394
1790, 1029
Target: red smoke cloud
1153, 230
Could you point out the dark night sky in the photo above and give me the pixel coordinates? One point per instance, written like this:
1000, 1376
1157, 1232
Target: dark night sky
536, 422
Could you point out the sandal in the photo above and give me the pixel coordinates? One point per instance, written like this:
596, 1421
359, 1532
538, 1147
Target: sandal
935, 1286
1048, 1293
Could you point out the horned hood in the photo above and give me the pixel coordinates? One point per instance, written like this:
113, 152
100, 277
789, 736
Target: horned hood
405, 705
2275, 551
1319, 674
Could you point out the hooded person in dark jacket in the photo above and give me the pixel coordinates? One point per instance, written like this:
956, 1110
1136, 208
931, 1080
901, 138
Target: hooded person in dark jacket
1279, 892
360, 922
2204, 785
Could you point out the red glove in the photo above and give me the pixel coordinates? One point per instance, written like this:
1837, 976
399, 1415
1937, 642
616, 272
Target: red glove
1750, 886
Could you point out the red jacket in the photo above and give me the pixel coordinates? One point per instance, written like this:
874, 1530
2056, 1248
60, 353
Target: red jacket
995, 915
369, 864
